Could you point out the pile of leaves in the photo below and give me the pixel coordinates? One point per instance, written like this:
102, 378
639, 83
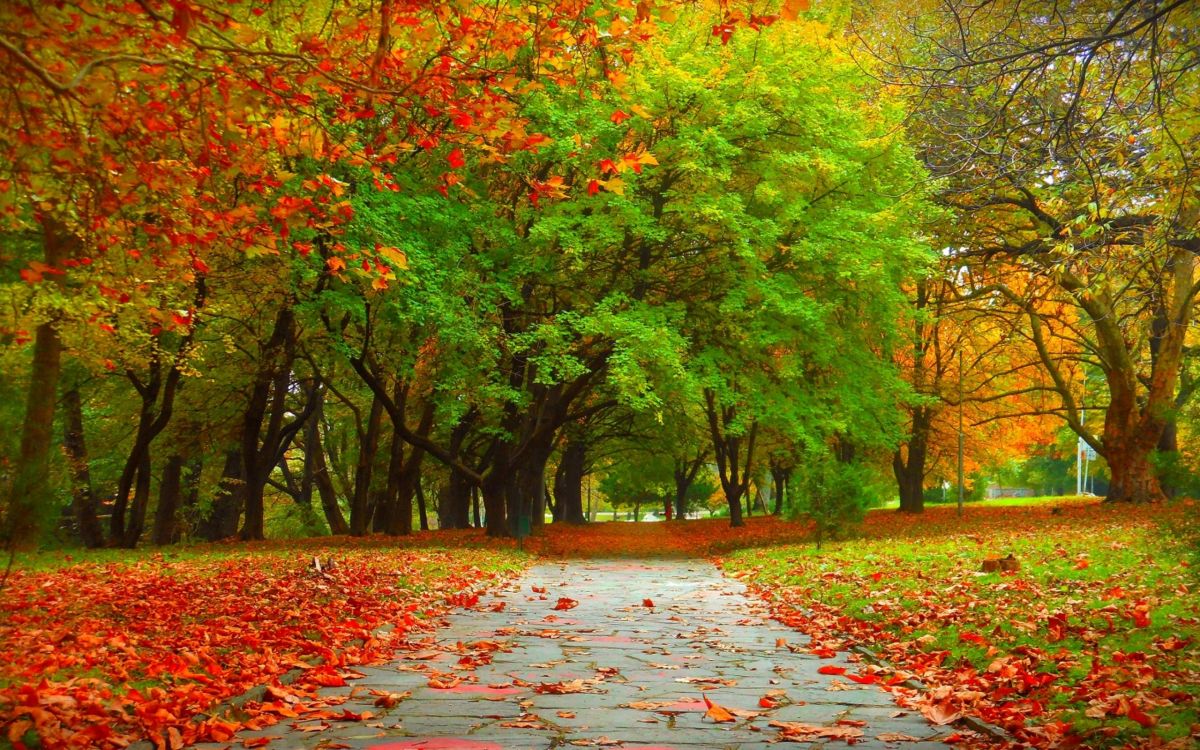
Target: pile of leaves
99, 655
1093, 642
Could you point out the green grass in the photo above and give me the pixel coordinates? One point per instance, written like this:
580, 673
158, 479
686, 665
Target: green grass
1091, 563
1004, 502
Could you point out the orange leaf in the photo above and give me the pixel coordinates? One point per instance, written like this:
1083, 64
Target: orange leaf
717, 713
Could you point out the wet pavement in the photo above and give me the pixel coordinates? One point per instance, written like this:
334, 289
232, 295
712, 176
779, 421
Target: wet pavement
609, 654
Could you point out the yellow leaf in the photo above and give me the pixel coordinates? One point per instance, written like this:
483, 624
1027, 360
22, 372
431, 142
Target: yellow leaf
615, 185
395, 256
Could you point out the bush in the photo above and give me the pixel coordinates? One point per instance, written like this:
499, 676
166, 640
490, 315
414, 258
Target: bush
833, 495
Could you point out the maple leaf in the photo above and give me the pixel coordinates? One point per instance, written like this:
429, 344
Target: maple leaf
566, 602
619, 117
647, 602
717, 713
456, 159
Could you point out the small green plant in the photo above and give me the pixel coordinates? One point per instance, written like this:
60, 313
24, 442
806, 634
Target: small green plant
833, 496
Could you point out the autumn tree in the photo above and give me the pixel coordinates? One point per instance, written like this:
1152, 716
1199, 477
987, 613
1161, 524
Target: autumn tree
1074, 152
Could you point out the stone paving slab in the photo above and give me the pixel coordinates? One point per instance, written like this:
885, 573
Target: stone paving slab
645, 669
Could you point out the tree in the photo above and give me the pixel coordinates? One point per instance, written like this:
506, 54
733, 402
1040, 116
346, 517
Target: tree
1076, 144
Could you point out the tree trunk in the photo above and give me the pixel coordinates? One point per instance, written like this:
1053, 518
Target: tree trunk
262, 450
733, 497
568, 482
422, 512
166, 528
1134, 478
83, 497
325, 489
735, 481
454, 503
495, 501
685, 473
779, 478
222, 520
31, 497
360, 503
910, 471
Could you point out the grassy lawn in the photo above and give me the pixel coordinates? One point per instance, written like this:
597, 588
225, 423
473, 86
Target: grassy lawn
1093, 640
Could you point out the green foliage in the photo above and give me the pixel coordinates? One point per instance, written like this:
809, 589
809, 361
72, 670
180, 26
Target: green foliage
832, 494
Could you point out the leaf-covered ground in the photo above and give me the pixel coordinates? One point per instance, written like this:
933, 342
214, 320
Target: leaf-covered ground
99, 653
1094, 642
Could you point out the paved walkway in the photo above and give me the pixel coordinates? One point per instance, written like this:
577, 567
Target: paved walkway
607, 669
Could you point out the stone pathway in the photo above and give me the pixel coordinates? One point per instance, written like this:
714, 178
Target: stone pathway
611, 671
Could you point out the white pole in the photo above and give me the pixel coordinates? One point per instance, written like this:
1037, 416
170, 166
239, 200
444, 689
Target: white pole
1080, 447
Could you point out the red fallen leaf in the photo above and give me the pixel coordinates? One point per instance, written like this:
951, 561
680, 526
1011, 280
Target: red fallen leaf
1140, 613
438, 683
257, 742
565, 602
767, 702
968, 637
831, 669
538, 589
876, 577
647, 602
1141, 717
717, 713
863, 679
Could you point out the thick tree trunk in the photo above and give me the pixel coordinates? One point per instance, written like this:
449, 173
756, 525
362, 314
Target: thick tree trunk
733, 497
910, 471
454, 503
568, 482
222, 520
495, 492
166, 527
29, 503
83, 497
1133, 477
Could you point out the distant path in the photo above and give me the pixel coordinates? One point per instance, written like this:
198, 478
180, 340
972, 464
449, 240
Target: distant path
701, 628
